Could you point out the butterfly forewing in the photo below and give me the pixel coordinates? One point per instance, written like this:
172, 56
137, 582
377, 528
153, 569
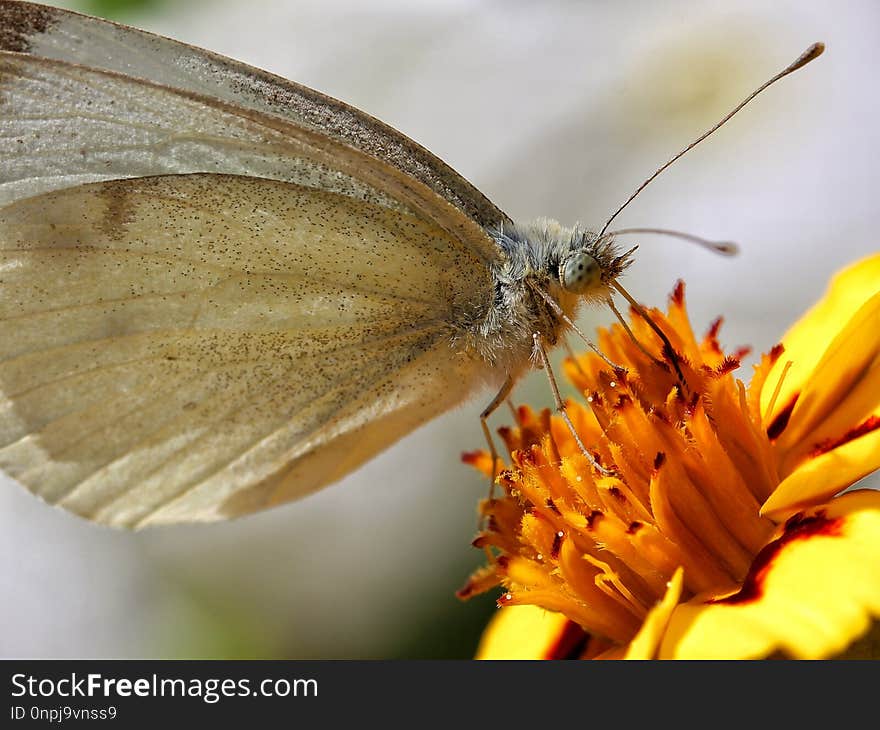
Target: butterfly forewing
64, 125
78, 39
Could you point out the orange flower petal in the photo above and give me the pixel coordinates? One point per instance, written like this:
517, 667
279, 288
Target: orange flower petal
810, 593
481, 460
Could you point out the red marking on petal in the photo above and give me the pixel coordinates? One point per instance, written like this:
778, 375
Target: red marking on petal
557, 544
740, 352
775, 352
623, 401
797, 527
712, 332
677, 296
471, 588
872, 423
571, 643
527, 458
552, 507
659, 460
617, 494
593, 517
509, 438
472, 457
728, 365
778, 424
672, 356
634, 527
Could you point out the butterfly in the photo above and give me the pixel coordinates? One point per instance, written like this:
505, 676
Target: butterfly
221, 290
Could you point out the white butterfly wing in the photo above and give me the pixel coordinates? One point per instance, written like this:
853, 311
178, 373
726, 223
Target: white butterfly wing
194, 347
64, 125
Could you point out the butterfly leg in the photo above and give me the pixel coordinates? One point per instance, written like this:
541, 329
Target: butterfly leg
618, 369
623, 323
541, 351
499, 398
668, 349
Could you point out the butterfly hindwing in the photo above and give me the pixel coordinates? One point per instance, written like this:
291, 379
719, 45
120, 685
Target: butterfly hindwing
191, 347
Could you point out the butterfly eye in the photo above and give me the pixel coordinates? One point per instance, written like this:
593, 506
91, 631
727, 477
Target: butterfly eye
580, 272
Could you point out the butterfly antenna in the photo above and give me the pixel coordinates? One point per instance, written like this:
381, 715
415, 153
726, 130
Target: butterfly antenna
668, 350
813, 52
724, 248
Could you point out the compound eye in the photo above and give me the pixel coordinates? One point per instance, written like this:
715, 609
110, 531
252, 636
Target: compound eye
580, 273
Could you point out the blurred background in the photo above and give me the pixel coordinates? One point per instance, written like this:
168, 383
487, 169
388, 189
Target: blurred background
555, 108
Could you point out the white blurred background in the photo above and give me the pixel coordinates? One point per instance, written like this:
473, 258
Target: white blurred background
551, 108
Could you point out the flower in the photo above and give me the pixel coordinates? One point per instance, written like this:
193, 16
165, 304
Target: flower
718, 529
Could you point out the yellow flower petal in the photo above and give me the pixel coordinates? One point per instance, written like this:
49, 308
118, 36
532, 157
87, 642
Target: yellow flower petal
805, 343
824, 475
824, 416
647, 641
809, 594
843, 390
529, 632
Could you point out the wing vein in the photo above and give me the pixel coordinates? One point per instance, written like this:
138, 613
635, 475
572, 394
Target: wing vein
186, 489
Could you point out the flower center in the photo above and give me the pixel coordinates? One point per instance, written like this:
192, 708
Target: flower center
690, 468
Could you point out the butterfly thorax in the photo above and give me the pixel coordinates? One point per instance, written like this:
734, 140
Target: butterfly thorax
532, 270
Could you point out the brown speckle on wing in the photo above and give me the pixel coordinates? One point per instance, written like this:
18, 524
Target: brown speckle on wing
19, 22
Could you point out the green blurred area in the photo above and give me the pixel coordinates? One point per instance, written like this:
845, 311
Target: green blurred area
206, 625
208, 629
118, 9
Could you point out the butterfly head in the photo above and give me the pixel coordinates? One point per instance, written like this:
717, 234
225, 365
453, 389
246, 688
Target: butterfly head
573, 263
591, 264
